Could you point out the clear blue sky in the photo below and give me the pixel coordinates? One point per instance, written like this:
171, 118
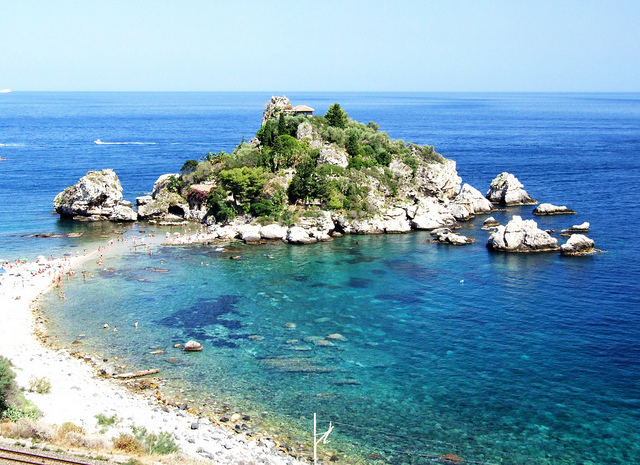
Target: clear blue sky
320, 45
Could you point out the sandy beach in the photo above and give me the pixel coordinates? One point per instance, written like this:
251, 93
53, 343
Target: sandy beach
78, 394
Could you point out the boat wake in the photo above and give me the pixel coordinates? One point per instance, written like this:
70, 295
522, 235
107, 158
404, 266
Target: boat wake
99, 142
11, 145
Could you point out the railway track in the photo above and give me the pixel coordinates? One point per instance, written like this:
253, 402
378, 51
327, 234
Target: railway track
9, 456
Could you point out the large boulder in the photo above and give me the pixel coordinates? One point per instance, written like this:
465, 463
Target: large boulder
273, 232
123, 213
506, 190
333, 156
578, 244
298, 235
548, 209
249, 232
468, 203
521, 236
96, 196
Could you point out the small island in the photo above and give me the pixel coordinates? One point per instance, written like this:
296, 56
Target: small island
304, 179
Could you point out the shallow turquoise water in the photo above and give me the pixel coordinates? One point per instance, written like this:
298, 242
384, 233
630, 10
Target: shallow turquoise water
448, 350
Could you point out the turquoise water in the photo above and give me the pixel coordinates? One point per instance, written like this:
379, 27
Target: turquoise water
497, 358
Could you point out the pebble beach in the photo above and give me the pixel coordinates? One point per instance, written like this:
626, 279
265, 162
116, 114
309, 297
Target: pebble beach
79, 394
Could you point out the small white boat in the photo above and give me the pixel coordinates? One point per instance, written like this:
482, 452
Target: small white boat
98, 141
5, 91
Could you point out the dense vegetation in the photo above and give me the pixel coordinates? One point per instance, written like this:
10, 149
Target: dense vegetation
279, 170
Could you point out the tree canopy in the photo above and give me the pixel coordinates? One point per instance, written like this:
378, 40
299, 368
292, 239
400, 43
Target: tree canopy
336, 116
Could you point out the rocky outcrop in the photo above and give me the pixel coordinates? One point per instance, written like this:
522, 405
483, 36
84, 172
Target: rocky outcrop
578, 244
468, 203
521, 236
123, 213
163, 202
333, 156
446, 236
506, 190
578, 228
490, 222
319, 225
548, 209
429, 214
276, 106
96, 196
438, 179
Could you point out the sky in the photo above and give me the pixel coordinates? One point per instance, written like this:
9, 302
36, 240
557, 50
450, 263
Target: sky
320, 45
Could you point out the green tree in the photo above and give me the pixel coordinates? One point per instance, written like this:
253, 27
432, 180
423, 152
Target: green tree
336, 116
189, 167
244, 183
282, 125
8, 386
353, 144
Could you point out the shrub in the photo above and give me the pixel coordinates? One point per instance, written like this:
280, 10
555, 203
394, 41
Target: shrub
69, 427
263, 208
8, 386
40, 385
162, 443
106, 421
127, 443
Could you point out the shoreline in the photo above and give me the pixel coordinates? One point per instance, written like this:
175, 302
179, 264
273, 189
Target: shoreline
78, 393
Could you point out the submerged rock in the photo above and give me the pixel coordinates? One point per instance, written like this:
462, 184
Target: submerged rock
578, 244
549, 209
192, 346
506, 190
521, 236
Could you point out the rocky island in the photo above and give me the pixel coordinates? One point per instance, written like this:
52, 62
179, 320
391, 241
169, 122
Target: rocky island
304, 179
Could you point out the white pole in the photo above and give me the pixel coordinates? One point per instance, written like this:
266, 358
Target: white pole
315, 444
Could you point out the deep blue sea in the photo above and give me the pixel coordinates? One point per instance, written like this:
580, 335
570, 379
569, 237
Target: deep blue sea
511, 359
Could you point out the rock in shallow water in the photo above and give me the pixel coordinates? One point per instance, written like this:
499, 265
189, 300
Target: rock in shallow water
521, 236
192, 346
506, 190
578, 244
549, 209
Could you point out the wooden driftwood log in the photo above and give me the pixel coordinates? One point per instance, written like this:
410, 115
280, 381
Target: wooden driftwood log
137, 374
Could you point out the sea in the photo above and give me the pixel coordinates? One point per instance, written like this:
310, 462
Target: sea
490, 358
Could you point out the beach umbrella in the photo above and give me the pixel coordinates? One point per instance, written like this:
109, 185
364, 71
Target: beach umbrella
2, 270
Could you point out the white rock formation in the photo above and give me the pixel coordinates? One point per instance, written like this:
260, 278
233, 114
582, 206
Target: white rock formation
548, 209
273, 232
95, 197
298, 235
332, 156
578, 228
578, 244
123, 213
249, 232
506, 190
468, 203
521, 236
